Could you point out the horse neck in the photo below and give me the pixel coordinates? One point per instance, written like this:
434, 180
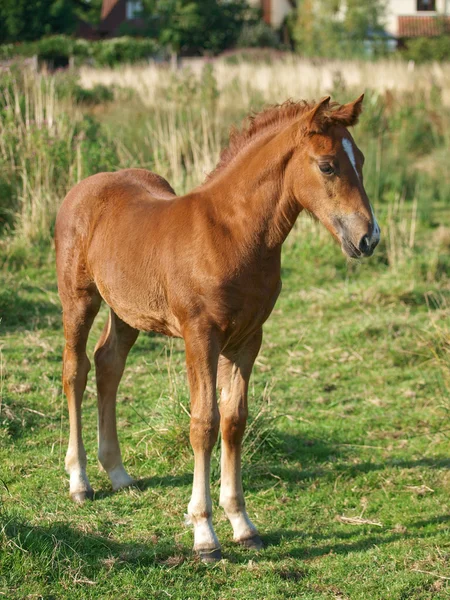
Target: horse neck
252, 195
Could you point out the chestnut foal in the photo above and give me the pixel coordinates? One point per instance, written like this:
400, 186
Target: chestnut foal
205, 267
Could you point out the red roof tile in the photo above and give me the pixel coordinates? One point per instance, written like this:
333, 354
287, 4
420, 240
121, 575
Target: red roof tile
107, 6
422, 26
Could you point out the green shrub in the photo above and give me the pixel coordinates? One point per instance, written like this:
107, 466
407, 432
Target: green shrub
99, 94
102, 53
56, 46
123, 49
258, 35
427, 49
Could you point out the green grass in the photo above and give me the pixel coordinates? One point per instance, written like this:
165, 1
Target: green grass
349, 398
349, 418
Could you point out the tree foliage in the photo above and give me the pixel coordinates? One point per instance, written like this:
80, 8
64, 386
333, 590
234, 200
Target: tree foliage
192, 25
335, 27
427, 49
23, 20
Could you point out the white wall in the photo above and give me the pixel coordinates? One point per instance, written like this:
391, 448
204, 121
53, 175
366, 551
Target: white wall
408, 8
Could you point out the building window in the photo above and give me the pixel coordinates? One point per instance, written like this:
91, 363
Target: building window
426, 5
134, 10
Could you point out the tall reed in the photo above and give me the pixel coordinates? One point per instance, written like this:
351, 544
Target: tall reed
39, 153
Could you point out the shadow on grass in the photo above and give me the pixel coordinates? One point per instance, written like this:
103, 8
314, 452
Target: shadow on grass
296, 459
294, 462
151, 482
91, 552
17, 311
322, 544
76, 550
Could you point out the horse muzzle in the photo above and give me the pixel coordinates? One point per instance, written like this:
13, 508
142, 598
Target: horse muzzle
358, 236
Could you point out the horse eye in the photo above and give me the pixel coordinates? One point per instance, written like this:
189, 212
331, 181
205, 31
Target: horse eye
326, 168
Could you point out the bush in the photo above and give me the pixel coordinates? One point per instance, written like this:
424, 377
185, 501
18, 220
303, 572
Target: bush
123, 49
56, 46
427, 49
99, 94
197, 26
102, 53
258, 35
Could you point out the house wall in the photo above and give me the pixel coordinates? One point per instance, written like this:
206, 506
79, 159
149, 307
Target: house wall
408, 8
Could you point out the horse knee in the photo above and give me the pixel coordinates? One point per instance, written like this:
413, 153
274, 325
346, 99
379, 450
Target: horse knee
105, 366
233, 426
204, 430
101, 357
76, 367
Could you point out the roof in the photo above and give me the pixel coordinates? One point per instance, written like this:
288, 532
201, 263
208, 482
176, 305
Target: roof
422, 26
107, 6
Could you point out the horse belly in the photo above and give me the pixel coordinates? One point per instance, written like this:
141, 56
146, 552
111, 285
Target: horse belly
144, 309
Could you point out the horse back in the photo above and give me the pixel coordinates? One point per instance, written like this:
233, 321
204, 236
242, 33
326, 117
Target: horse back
104, 193
96, 202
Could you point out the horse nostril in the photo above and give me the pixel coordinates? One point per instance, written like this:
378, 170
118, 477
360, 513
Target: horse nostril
364, 245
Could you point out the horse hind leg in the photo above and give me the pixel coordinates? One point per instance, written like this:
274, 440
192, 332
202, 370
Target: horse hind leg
110, 356
79, 311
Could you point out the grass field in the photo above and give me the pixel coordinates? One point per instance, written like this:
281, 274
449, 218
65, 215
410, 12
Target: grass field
347, 455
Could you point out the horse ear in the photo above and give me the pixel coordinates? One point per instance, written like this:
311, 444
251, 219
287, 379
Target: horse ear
348, 114
316, 117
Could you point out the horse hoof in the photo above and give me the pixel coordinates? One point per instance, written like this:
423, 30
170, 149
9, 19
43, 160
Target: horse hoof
80, 497
124, 485
252, 543
120, 478
209, 555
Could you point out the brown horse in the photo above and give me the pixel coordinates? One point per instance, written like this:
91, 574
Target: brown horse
205, 267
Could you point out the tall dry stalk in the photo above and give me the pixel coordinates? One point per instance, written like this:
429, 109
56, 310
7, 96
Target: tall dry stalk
400, 231
292, 77
35, 129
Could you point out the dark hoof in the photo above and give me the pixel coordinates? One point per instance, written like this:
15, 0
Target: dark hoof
80, 497
209, 555
252, 543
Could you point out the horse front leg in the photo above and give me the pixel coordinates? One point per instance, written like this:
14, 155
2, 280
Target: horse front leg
202, 353
234, 375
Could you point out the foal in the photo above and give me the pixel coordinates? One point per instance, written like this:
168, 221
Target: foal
205, 267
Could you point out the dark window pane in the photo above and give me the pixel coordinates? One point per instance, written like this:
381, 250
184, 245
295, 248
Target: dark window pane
426, 4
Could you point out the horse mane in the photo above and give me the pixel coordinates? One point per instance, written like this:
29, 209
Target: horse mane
274, 117
271, 118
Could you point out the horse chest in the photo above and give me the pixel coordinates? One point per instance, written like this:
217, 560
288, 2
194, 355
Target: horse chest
253, 307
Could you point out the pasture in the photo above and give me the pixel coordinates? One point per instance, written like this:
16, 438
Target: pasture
346, 456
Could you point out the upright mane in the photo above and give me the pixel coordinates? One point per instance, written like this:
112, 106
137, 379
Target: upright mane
271, 118
323, 115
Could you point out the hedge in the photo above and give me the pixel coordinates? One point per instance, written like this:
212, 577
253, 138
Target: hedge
101, 53
428, 49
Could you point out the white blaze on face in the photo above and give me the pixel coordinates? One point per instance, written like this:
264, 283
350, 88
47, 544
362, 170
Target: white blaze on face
348, 149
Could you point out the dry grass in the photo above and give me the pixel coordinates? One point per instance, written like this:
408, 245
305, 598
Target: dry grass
35, 127
291, 77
